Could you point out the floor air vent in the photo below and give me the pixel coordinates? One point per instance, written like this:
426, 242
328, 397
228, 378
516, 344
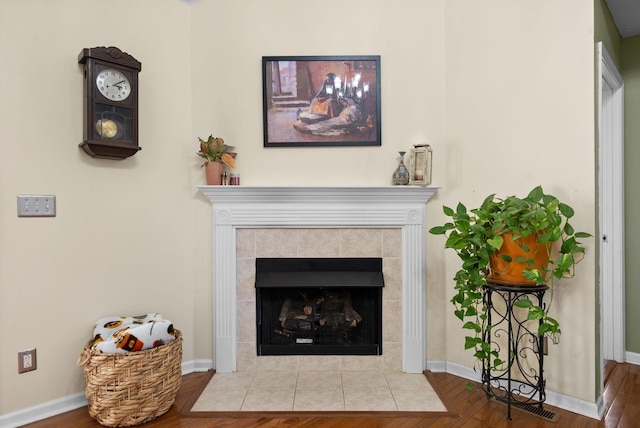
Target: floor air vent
534, 410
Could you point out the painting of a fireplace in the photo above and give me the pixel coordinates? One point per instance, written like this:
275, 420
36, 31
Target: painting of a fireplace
319, 306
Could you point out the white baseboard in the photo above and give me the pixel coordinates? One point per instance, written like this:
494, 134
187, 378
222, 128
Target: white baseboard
582, 407
594, 410
632, 358
436, 366
462, 371
196, 366
43, 411
75, 401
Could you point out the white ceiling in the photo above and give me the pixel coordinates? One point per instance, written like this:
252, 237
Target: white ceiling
626, 14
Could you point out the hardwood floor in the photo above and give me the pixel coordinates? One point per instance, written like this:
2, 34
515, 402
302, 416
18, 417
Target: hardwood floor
470, 409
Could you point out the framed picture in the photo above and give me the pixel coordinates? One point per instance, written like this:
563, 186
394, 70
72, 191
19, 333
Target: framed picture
321, 101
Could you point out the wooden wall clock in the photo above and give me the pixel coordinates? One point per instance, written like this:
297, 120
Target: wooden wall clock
110, 103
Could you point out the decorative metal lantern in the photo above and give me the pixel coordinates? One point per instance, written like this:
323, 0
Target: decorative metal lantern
420, 165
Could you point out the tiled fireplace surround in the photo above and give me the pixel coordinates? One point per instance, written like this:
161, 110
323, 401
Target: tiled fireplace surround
386, 222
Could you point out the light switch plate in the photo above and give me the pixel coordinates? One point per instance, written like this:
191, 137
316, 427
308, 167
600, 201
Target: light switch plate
36, 206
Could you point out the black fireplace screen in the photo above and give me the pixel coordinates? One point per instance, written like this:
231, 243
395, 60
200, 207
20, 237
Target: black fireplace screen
319, 306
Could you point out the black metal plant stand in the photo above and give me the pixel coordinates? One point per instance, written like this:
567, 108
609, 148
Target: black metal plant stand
519, 381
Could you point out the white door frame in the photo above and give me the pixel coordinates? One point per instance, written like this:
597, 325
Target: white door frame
611, 208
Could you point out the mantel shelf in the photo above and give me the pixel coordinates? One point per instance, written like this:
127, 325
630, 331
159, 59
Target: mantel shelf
317, 195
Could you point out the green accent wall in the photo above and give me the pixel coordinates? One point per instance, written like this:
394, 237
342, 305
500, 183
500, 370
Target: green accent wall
626, 54
630, 71
606, 31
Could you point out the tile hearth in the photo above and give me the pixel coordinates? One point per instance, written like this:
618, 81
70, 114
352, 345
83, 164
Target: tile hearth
346, 390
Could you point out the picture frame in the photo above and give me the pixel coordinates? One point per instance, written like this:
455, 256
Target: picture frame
315, 101
420, 165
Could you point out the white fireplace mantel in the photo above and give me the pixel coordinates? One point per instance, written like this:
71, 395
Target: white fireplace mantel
319, 207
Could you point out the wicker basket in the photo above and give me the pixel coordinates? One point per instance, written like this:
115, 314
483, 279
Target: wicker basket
133, 388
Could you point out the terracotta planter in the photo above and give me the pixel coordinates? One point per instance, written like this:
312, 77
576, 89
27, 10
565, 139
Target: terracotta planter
213, 173
511, 273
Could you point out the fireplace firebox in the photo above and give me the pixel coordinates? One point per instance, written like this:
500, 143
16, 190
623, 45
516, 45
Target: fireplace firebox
319, 306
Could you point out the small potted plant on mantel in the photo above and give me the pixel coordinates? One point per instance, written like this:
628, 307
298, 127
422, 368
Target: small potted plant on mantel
216, 154
546, 248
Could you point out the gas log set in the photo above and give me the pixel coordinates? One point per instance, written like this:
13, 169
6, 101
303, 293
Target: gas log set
319, 306
329, 311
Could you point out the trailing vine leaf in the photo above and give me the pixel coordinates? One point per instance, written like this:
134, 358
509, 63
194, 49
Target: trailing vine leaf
496, 242
472, 326
536, 313
439, 230
471, 342
523, 303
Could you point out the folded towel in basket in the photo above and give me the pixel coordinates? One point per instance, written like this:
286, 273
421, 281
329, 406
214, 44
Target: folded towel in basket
130, 334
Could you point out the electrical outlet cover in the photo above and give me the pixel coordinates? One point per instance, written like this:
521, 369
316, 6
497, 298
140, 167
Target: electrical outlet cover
27, 360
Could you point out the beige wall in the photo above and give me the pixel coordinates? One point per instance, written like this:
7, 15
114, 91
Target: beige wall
480, 81
124, 238
519, 112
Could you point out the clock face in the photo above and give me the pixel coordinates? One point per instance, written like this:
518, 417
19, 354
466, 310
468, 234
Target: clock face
113, 85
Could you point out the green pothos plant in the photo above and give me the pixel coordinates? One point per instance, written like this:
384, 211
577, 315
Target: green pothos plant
477, 234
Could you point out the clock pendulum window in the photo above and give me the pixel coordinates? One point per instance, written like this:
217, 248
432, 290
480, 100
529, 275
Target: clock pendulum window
110, 103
